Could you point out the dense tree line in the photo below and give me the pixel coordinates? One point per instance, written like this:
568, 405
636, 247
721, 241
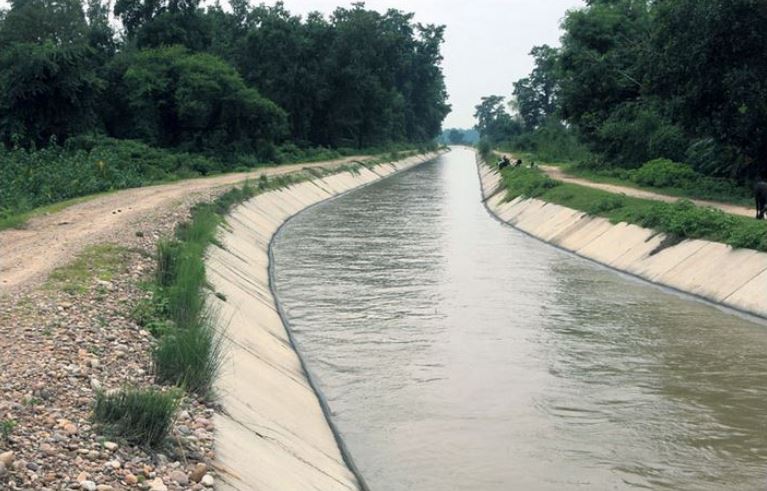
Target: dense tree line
636, 80
182, 76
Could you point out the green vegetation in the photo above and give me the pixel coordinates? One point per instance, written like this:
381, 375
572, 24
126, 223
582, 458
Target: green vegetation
140, 416
637, 82
184, 90
100, 261
6, 429
680, 220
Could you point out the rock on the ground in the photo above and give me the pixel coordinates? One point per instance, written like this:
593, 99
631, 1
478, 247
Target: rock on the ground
208, 481
157, 484
199, 472
180, 477
7, 458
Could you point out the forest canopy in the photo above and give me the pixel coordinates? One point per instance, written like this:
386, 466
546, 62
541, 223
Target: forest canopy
176, 74
638, 80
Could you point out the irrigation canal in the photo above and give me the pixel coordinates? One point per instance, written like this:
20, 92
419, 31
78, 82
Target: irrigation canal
458, 353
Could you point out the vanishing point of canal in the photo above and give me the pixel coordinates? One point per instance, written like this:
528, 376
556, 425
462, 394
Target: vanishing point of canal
457, 353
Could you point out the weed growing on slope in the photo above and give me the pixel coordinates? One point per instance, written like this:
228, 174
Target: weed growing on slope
140, 416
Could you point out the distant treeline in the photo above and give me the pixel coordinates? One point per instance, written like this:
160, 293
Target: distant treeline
637, 80
458, 136
204, 79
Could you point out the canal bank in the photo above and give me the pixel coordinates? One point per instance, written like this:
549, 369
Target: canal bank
274, 431
734, 278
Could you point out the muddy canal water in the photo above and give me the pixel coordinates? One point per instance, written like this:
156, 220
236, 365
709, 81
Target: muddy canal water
459, 354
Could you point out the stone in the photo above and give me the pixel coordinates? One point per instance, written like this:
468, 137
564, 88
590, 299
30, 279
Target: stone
3, 471
208, 481
95, 384
180, 477
83, 476
157, 485
7, 458
130, 479
111, 446
70, 429
48, 449
88, 485
32, 466
104, 487
199, 472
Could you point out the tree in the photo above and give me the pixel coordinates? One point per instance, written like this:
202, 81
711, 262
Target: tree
710, 66
494, 123
46, 92
38, 21
601, 62
536, 95
175, 98
455, 137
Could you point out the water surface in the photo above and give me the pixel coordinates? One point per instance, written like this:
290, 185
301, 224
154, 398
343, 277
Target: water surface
458, 354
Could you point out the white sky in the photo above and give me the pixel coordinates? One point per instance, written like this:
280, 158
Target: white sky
486, 44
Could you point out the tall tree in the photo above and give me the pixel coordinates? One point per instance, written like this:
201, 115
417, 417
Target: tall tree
536, 95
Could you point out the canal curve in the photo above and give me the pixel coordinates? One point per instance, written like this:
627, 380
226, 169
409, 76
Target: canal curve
458, 353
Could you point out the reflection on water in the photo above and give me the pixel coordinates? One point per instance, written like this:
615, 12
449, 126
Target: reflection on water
457, 353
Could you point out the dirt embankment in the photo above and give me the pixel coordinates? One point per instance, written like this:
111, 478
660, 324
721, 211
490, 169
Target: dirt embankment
28, 255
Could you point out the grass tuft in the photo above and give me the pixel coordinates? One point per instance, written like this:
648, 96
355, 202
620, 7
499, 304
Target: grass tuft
140, 416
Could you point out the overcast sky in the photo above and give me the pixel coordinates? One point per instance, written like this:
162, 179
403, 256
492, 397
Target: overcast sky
486, 44
487, 41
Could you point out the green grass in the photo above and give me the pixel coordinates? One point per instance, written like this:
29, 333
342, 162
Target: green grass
682, 220
95, 262
139, 416
6, 429
692, 185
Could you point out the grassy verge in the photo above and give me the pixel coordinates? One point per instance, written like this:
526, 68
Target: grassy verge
659, 176
680, 220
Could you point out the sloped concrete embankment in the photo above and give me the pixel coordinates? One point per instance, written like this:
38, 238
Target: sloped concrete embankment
735, 278
274, 433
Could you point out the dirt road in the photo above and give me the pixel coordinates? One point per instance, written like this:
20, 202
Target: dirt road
556, 173
28, 255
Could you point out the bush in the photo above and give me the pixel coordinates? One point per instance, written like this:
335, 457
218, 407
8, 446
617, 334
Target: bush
663, 173
525, 182
684, 219
608, 203
141, 417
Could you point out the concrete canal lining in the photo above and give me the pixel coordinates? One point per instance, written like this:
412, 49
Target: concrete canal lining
274, 432
735, 278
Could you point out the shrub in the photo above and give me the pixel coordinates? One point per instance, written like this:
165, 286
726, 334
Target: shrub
141, 417
528, 183
664, 173
608, 203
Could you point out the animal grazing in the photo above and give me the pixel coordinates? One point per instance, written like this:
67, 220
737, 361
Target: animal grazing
760, 193
518, 163
504, 163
